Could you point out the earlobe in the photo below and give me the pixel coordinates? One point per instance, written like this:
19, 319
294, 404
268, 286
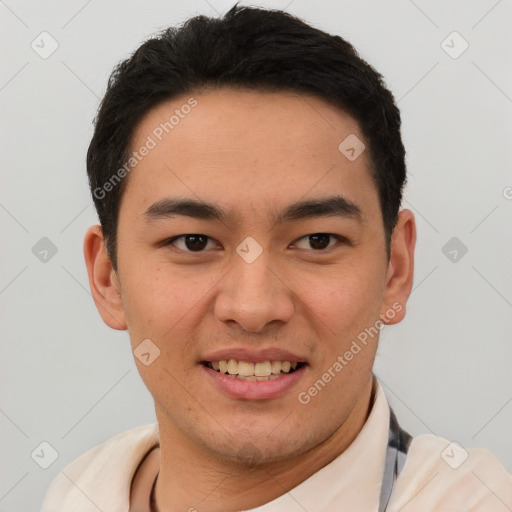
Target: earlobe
400, 269
103, 281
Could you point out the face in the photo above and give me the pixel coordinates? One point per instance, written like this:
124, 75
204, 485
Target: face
248, 243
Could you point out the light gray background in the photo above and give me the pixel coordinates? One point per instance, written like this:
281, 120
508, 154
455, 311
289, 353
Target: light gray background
69, 380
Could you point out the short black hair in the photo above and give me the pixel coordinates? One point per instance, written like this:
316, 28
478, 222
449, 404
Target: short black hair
250, 48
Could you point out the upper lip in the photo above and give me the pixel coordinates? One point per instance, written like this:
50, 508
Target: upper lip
253, 356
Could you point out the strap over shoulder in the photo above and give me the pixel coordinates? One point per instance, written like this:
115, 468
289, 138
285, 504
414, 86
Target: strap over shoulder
396, 455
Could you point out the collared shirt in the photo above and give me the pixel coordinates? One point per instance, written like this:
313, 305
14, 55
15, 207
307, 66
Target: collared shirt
437, 476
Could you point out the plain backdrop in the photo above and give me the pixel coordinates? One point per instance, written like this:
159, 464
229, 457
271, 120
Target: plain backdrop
70, 381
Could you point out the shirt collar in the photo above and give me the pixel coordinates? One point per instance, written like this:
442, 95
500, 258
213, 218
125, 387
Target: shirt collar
353, 480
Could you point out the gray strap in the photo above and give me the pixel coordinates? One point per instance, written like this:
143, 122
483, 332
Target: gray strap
388, 477
400, 462
396, 455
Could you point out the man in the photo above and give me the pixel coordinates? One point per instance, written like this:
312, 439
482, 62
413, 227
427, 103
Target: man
248, 172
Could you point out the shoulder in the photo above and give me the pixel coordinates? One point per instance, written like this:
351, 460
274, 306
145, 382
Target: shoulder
440, 475
101, 477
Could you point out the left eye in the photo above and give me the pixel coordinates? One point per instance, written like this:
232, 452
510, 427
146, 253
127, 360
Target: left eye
317, 241
192, 242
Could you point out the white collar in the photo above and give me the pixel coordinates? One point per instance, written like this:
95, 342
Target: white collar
353, 480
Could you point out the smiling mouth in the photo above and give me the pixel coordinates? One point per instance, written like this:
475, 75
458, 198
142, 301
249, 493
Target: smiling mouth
261, 371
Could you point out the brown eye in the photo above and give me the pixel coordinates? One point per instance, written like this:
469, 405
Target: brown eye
192, 242
319, 240
196, 242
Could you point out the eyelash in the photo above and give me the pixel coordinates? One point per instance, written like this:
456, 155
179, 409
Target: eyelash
339, 238
171, 241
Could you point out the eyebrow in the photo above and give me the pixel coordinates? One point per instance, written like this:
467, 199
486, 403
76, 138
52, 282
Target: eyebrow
169, 207
337, 205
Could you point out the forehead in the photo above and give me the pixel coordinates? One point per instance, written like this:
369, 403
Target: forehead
249, 150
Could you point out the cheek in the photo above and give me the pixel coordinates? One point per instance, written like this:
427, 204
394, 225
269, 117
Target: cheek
346, 299
148, 304
153, 295
166, 307
160, 308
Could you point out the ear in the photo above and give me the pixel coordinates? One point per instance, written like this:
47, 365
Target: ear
400, 269
103, 281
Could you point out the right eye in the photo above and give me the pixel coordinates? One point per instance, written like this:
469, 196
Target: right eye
191, 242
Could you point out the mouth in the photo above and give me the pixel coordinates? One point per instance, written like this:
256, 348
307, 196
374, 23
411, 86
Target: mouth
254, 371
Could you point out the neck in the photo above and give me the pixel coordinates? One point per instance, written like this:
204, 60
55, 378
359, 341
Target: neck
191, 478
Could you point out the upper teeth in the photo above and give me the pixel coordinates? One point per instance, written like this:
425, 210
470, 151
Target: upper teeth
246, 368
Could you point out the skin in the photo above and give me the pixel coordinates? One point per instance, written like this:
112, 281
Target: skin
252, 154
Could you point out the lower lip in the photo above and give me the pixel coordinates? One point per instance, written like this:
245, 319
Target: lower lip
254, 389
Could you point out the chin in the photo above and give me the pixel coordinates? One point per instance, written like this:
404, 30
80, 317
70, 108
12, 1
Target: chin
256, 450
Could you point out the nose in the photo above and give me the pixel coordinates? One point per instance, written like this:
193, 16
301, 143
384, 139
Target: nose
254, 295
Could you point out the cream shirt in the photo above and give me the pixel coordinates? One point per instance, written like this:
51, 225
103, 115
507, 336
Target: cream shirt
437, 476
